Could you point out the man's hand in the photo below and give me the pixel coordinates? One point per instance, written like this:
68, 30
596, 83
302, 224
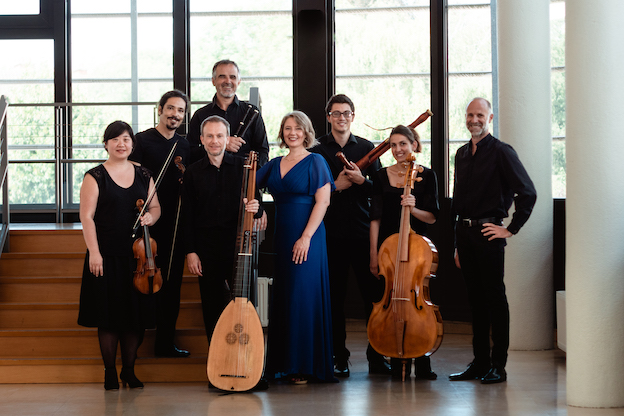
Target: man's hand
354, 175
194, 264
234, 143
342, 182
493, 231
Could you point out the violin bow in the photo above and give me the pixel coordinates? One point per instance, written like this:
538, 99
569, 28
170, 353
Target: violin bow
156, 185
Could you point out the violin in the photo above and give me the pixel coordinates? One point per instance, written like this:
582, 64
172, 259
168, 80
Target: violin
405, 324
381, 148
147, 277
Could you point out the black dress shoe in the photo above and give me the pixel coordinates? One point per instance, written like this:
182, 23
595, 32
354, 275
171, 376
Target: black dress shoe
173, 351
342, 369
426, 375
495, 375
473, 372
379, 367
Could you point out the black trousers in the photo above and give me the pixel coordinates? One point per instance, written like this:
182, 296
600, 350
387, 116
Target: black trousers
218, 260
168, 298
483, 266
343, 254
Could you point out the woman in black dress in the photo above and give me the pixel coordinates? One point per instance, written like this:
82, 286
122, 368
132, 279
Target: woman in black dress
386, 203
108, 300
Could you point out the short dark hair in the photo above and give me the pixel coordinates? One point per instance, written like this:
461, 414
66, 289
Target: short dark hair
173, 94
339, 99
214, 119
411, 135
116, 129
224, 62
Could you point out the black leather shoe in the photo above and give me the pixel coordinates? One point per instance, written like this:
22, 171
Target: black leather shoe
342, 369
473, 372
379, 367
495, 375
426, 375
173, 351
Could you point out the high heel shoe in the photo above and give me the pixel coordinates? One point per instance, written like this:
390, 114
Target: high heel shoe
127, 377
110, 379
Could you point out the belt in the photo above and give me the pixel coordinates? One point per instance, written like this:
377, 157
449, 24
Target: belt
467, 222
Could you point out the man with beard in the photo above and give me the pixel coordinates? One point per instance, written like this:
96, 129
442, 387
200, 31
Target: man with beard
211, 201
151, 151
226, 79
489, 177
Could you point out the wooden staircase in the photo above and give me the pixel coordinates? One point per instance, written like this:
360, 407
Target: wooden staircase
40, 341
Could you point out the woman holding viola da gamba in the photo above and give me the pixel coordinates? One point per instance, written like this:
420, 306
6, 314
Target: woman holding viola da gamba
387, 202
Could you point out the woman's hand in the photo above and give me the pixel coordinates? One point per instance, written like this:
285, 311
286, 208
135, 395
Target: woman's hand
96, 264
374, 265
300, 250
408, 200
251, 206
147, 219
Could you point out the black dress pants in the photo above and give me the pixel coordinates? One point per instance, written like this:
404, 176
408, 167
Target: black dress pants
483, 266
343, 254
218, 259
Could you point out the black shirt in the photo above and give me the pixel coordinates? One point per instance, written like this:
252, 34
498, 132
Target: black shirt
386, 202
255, 136
151, 150
348, 212
487, 183
211, 198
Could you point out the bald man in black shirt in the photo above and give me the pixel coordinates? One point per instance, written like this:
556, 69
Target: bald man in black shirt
489, 177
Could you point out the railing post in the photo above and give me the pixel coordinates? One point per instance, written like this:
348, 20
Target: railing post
4, 179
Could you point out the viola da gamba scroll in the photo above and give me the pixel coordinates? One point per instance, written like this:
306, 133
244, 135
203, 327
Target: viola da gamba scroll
236, 352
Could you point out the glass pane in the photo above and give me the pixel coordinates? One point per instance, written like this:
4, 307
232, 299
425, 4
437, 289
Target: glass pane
470, 67
469, 39
557, 79
358, 4
22, 7
263, 52
28, 77
400, 65
109, 6
32, 183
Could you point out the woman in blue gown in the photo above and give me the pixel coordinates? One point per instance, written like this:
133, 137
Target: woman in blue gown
300, 336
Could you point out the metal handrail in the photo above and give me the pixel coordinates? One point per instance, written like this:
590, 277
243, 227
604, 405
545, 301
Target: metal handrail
4, 183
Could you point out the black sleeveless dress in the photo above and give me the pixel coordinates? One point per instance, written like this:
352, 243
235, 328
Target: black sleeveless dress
110, 301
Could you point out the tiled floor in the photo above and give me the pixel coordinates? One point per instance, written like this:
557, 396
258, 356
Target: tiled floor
536, 386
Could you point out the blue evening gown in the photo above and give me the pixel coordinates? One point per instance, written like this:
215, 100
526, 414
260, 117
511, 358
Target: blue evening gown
300, 333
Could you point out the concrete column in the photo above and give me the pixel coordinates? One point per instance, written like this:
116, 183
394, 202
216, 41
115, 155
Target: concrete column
525, 123
595, 197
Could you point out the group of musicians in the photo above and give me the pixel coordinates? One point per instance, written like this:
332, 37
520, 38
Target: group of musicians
195, 212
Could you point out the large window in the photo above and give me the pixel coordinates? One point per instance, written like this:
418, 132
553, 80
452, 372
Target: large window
122, 63
258, 37
383, 65
470, 67
28, 83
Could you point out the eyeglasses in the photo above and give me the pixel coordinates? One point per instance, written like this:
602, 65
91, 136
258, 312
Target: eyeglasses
337, 114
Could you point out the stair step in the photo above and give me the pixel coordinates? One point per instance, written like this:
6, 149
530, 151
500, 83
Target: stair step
91, 370
60, 289
41, 264
47, 241
65, 315
81, 343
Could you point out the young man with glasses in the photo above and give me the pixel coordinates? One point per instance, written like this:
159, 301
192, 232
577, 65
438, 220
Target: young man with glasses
347, 223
